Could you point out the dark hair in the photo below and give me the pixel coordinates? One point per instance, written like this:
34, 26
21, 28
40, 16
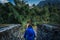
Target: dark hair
30, 26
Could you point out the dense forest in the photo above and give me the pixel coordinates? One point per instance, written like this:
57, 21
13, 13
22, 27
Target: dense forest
22, 12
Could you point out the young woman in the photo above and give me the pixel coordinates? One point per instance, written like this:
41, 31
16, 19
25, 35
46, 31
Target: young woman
29, 33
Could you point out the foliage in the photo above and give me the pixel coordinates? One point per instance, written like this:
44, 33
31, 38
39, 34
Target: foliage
22, 12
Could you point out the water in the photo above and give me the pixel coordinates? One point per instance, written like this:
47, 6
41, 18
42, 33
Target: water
10, 33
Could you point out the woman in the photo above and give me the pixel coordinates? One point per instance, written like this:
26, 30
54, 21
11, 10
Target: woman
29, 33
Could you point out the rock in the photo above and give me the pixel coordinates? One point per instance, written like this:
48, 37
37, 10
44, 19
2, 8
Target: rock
11, 32
48, 32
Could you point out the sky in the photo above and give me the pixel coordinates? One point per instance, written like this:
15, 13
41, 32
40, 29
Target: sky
12, 1
30, 2
3, 1
6, 1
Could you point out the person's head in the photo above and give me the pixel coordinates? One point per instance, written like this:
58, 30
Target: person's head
29, 26
28, 23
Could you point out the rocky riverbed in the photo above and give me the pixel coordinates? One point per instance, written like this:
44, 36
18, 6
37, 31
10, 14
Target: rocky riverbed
10, 32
